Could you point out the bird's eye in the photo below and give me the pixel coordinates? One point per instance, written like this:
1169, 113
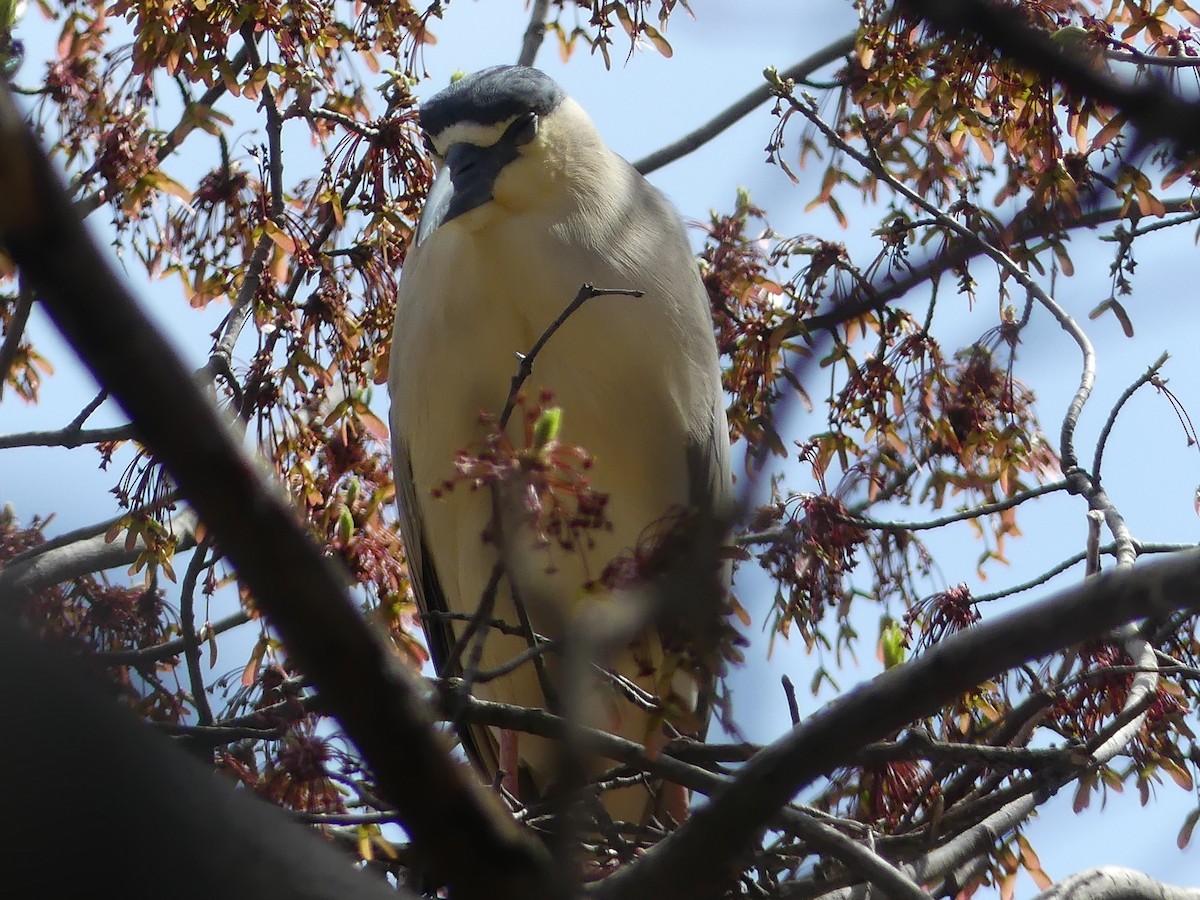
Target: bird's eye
524, 129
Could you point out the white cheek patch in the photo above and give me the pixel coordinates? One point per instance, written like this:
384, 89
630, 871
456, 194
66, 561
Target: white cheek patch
470, 133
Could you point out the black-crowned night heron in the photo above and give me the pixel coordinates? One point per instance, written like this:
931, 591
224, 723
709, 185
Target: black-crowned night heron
527, 206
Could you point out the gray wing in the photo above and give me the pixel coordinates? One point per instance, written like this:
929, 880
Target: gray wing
703, 630
439, 632
428, 591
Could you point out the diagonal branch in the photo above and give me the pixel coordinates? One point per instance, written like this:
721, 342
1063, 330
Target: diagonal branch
743, 107
1157, 112
693, 860
77, 554
374, 697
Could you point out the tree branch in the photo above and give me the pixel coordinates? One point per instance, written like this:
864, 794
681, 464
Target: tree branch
525, 367
690, 862
191, 641
141, 807
1149, 103
1115, 883
743, 107
15, 332
1149, 375
34, 571
167, 649
531, 42
973, 513
372, 694
68, 437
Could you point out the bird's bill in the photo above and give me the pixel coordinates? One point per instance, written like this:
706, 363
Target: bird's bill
465, 182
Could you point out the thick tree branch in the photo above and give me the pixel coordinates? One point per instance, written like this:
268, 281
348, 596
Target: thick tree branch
690, 862
82, 555
143, 811
1115, 883
1149, 104
374, 697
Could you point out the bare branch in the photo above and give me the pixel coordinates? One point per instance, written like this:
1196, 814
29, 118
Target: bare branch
525, 368
531, 42
191, 642
15, 332
1102, 441
974, 512
1115, 883
691, 860
274, 124
82, 555
167, 649
743, 107
68, 437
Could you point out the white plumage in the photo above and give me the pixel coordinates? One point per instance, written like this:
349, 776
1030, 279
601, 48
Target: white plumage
529, 205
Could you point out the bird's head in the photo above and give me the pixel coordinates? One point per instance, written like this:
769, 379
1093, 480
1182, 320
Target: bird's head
504, 140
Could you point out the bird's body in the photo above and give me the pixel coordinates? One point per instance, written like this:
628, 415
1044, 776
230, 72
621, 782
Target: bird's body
637, 380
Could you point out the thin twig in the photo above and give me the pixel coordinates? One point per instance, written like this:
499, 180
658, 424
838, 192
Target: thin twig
1102, 441
15, 332
475, 636
511, 665
167, 649
191, 641
973, 513
482, 615
86, 413
525, 366
789, 691
274, 125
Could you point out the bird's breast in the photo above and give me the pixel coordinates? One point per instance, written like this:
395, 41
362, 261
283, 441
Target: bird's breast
470, 305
